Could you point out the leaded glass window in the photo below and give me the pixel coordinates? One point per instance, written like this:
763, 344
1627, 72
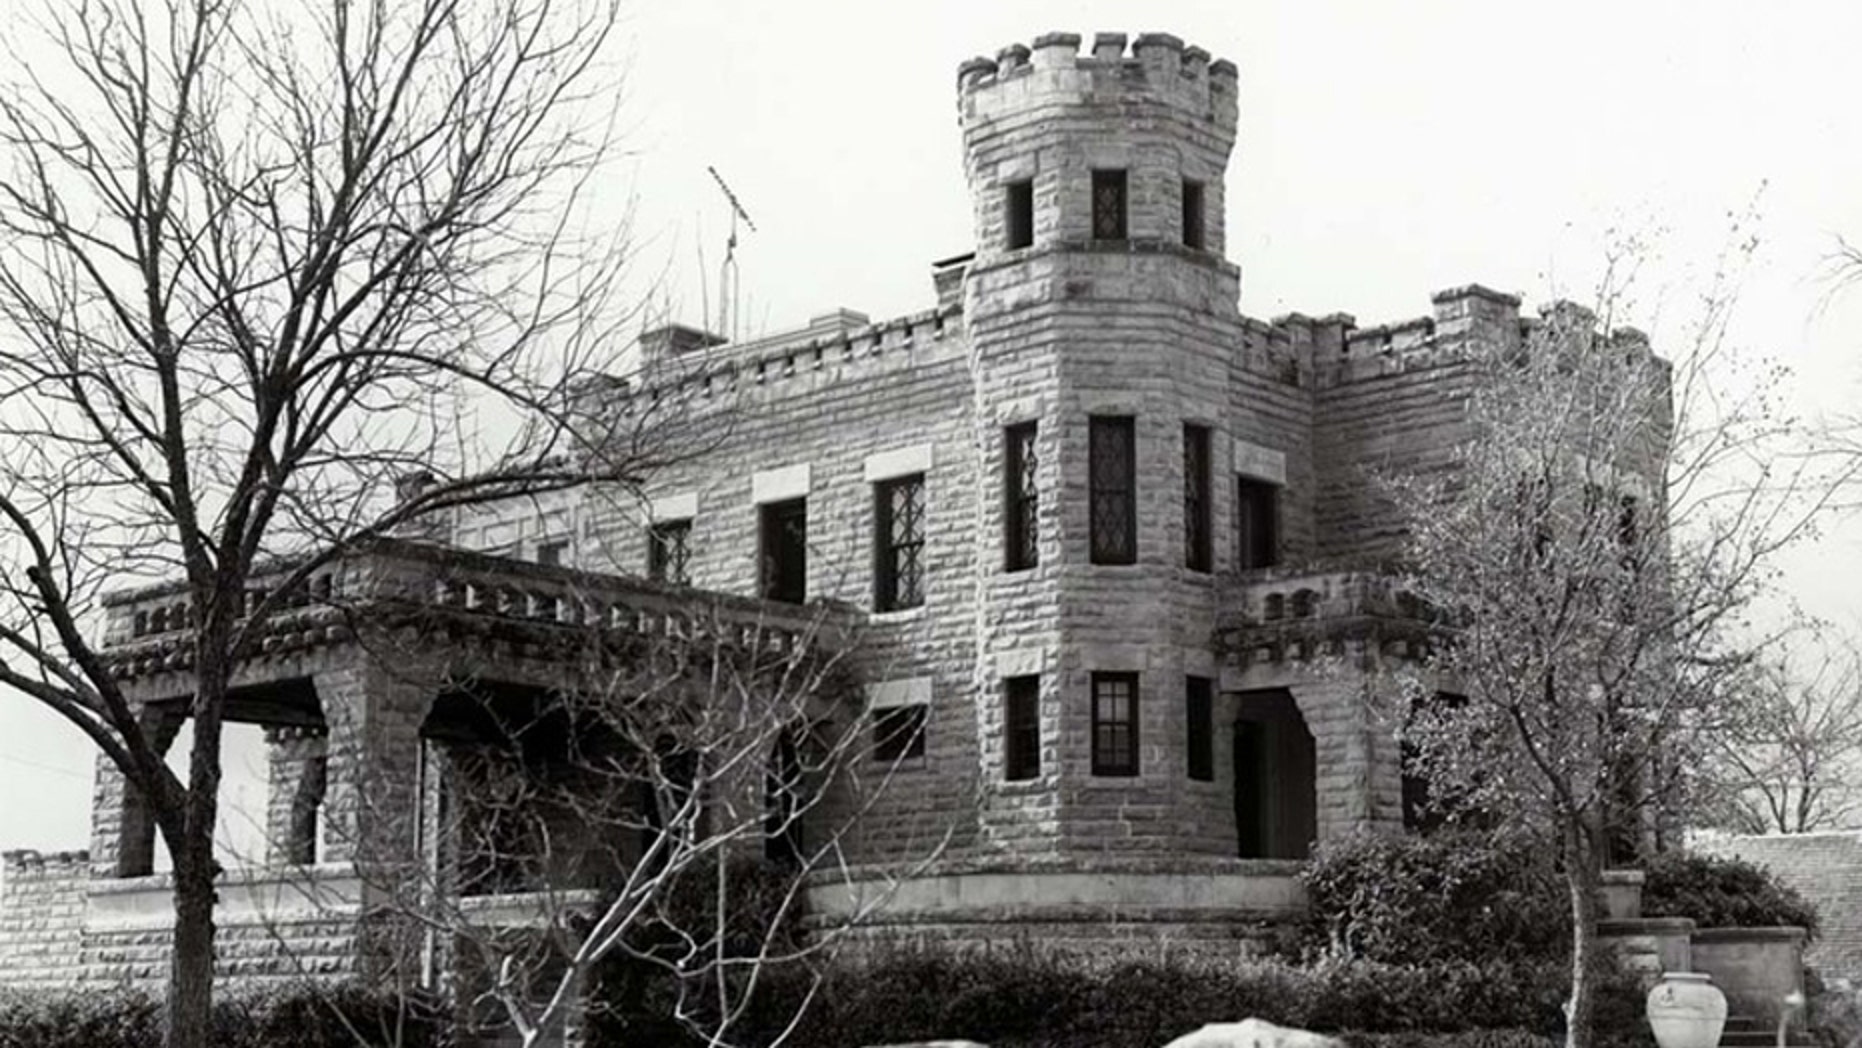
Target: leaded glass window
1021, 501
1196, 498
1113, 495
669, 546
1108, 205
1115, 724
900, 526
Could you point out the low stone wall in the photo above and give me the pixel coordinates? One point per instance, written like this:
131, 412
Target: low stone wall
41, 918
1826, 868
59, 928
1755, 967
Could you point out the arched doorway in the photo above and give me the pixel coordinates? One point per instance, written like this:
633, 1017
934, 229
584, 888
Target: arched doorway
1276, 798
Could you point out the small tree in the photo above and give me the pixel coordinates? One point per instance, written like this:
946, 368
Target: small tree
653, 822
1590, 553
258, 263
1793, 762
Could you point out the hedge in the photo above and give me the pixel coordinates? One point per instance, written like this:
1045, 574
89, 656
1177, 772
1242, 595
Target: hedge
290, 1016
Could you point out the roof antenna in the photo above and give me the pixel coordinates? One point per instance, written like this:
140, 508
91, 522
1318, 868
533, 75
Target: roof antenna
728, 279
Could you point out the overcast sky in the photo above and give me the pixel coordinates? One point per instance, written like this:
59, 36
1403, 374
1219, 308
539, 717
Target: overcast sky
1385, 151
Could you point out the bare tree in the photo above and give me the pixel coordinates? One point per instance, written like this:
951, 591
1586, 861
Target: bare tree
1590, 554
1793, 762
259, 262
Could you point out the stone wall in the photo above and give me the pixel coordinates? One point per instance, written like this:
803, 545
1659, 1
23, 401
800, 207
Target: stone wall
1826, 868
41, 917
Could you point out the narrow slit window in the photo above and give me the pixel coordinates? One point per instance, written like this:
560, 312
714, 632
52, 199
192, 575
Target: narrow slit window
1021, 499
1115, 724
899, 526
1196, 515
1199, 715
1111, 463
1021, 728
1018, 216
1193, 236
1109, 205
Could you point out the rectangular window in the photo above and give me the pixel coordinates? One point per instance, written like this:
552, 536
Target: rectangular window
1257, 511
553, 553
899, 732
1020, 498
1109, 205
669, 544
784, 544
1196, 516
1018, 216
1199, 714
1021, 728
899, 541
1192, 214
1115, 724
1112, 467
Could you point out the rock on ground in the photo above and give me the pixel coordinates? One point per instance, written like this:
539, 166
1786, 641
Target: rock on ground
1253, 1033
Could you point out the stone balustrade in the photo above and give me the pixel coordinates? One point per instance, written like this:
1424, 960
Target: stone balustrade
1289, 613
392, 582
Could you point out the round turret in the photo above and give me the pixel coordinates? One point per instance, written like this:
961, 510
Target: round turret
1106, 151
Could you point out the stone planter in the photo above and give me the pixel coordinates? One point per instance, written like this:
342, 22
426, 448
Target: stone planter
1686, 1010
1619, 894
1757, 967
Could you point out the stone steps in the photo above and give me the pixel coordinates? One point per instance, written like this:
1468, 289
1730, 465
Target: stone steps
1743, 1031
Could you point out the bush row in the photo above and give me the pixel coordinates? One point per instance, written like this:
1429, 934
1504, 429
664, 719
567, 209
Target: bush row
1024, 998
282, 1017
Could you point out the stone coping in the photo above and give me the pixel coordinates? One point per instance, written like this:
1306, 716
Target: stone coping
1120, 864
1645, 925
1776, 933
246, 896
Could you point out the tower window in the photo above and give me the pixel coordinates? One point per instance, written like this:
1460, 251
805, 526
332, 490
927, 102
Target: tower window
1115, 724
1020, 498
1018, 217
1257, 507
553, 553
1109, 205
1113, 496
1199, 715
784, 542
1193, 214
1021, 728
669, 545
899, 540
1196, 514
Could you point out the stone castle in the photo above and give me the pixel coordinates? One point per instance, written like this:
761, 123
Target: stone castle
1096, 528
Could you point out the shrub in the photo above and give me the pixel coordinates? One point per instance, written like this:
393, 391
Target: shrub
1721, 893
290, 1016
1456, 896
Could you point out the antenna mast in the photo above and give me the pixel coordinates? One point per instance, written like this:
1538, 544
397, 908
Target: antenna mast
728, 280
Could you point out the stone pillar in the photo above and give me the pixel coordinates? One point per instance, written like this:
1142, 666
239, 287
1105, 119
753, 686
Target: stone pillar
297, 778
122, 823
374, 710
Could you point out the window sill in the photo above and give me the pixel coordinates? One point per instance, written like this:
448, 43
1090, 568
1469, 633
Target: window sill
881, 618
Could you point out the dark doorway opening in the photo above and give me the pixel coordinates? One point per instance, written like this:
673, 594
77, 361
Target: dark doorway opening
1276, 797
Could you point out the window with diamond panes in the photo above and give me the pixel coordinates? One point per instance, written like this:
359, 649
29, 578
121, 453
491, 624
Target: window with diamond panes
1196, 498
1021, 728
900, 526
1113, 523
1115, 724
1108, 205
669, 545
1021, 499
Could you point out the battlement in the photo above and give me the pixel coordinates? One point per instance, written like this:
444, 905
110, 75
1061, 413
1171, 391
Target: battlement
28, 860
1156, 65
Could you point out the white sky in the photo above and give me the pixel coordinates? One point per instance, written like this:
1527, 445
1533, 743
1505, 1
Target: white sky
1386, 151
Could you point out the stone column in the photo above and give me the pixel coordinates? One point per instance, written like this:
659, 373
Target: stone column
297, 778
371, 810
122, 823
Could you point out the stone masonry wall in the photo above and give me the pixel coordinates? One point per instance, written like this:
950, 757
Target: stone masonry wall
41, 918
